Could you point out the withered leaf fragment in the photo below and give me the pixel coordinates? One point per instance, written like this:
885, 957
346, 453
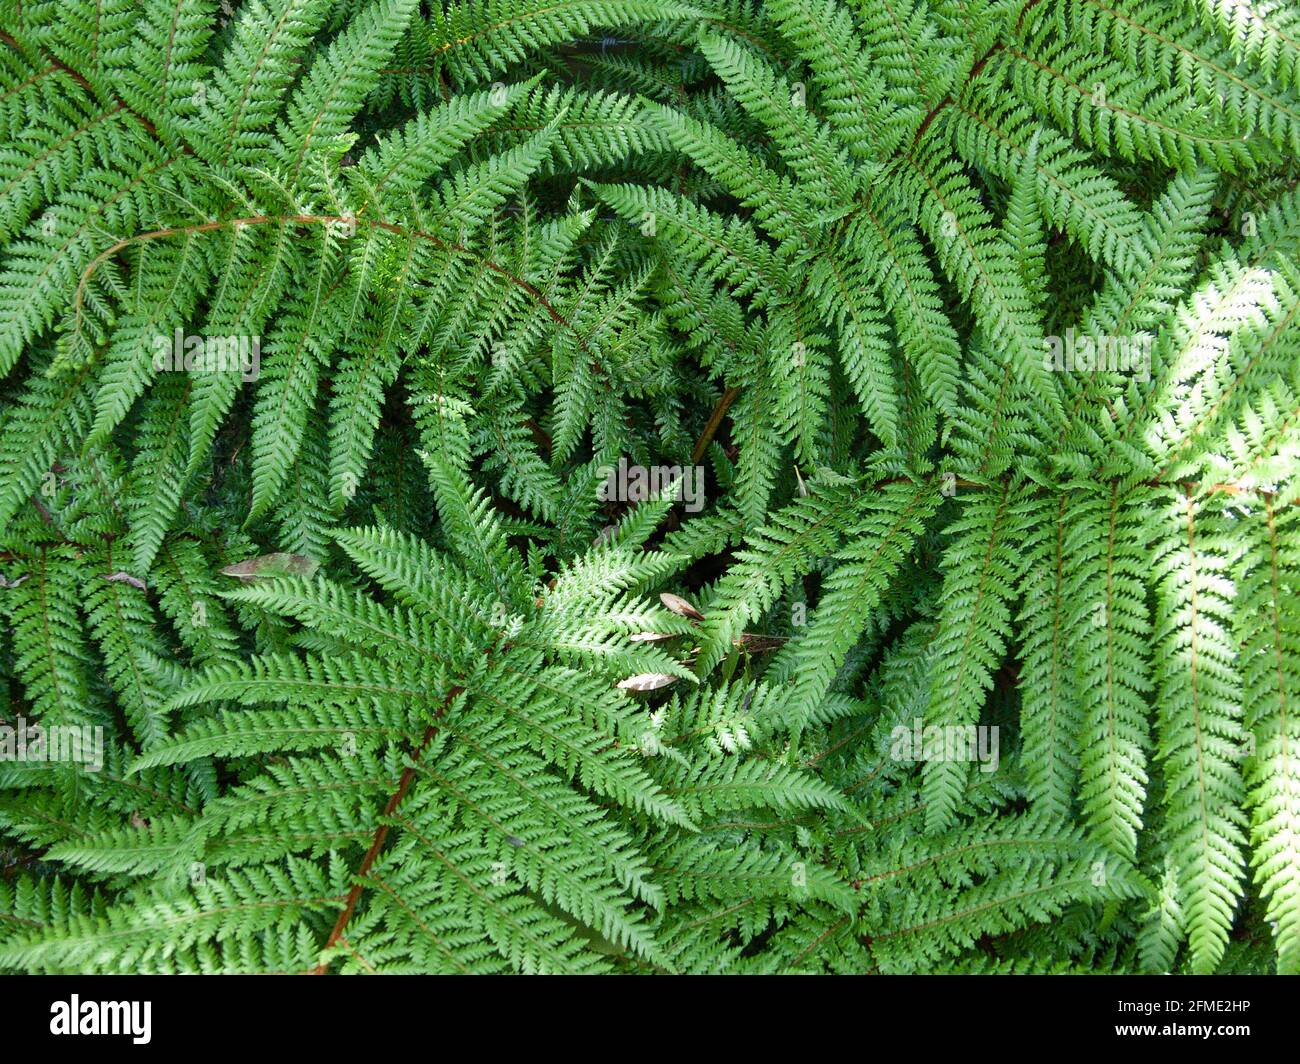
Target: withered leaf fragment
125, 578
647, 681
680, 606
265, 565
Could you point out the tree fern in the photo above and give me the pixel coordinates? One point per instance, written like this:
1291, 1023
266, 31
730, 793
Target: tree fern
626, 486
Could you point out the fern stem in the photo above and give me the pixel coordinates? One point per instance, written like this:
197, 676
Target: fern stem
381, 832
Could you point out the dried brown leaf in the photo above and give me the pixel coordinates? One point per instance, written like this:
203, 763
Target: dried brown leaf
680, 606
125, 578
266, 565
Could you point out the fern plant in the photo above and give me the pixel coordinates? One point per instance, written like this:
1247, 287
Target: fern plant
958, 629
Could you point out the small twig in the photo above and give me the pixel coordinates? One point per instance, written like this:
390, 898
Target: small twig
715, 419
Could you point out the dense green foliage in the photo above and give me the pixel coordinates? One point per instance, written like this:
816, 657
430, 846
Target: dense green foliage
982, 318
